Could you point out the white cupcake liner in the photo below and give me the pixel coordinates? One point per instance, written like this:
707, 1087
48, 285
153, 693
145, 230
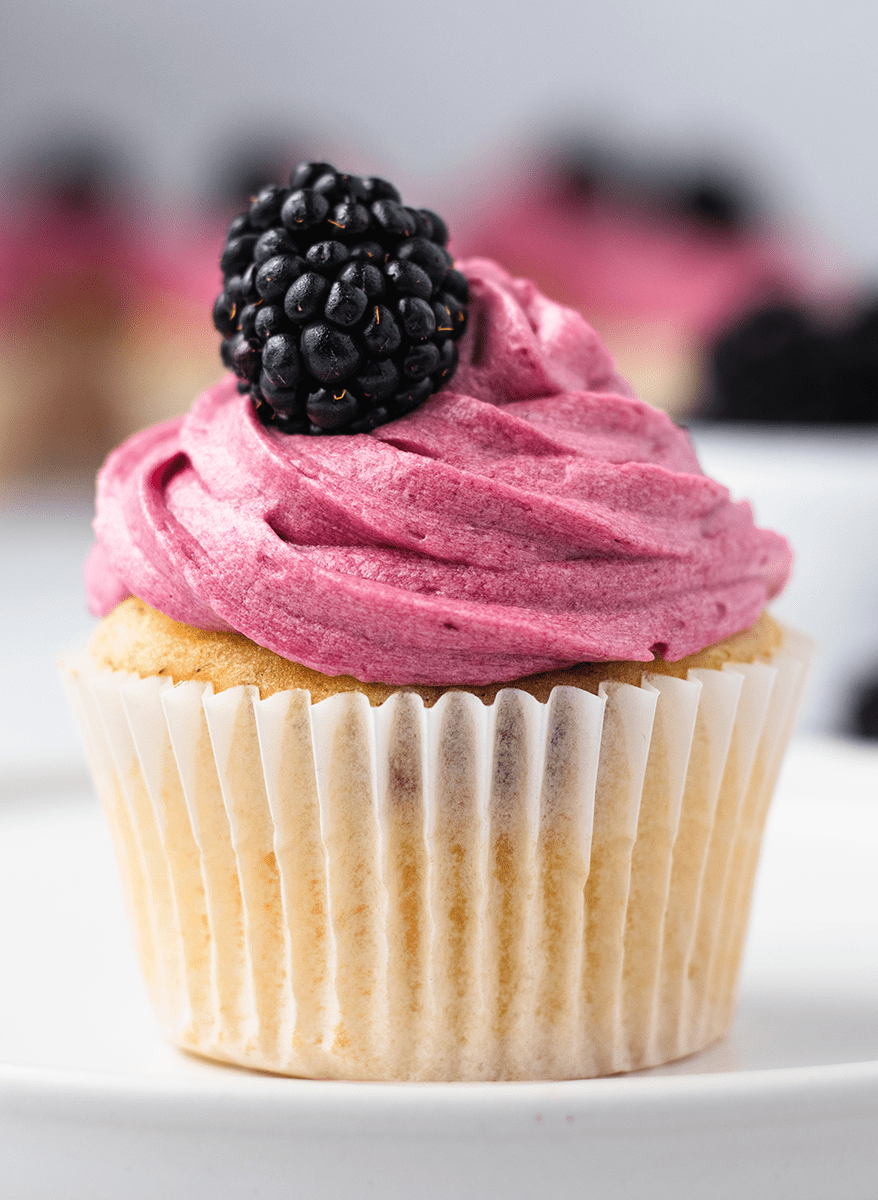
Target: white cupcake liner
520, 890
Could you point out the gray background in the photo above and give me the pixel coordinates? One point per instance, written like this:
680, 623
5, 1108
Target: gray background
439, 91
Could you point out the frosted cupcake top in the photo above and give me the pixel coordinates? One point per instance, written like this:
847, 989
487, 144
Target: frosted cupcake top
533, 515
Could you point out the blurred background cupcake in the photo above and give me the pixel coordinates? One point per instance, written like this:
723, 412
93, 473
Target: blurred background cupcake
66, 294
659, 255
105, 294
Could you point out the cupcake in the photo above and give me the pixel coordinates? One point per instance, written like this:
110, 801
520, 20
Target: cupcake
435, 708
659, 263
66, 296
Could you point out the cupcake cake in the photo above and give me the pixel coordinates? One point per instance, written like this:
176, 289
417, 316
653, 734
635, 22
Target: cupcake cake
435, 708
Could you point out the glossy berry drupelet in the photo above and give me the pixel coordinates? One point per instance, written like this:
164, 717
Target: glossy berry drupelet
340, 307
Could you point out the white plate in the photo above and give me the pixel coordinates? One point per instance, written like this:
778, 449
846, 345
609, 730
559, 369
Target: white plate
94, 1106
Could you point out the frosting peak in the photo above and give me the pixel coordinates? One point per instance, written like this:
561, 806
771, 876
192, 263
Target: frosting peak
533, 516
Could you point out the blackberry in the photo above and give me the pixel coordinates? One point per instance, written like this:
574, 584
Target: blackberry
714, 201
265, 206
857, 348
272, 243
768, 367
409, 279
340, 306
276, 275
781, 364
305, 297
381, 335
865, 714
582, 168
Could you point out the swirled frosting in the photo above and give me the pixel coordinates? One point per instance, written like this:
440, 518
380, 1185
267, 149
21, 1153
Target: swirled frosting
531, 516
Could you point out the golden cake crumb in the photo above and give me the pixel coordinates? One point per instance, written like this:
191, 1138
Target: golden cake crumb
137, 638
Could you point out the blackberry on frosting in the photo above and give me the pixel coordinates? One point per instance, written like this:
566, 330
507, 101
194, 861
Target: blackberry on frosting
340, 306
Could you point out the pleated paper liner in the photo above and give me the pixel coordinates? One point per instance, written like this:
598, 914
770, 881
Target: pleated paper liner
523, 890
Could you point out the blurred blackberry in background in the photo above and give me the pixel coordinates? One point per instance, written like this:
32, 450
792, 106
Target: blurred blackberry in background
865, 709
857, 352
779, 364
706, 194
714, 201
340, 307
774, 363
584, 167
75, 173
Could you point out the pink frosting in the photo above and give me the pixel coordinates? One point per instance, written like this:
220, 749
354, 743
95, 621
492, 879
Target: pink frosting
532, 516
